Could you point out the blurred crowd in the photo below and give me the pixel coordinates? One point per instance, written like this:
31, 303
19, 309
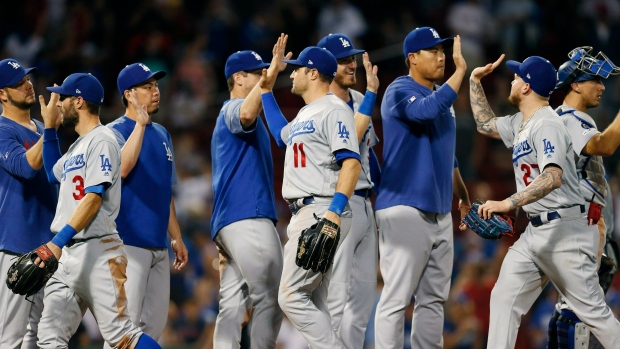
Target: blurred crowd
191, 39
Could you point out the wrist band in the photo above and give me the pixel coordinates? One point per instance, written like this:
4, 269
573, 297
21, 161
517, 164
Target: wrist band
64, 235
368, 103
339, 202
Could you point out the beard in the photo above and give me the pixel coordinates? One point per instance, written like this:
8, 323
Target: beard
70, 117
514, 100
343, 80
22, 105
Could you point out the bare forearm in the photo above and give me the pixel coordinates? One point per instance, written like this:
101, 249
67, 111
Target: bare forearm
173, 224
544, 184
250, 107
131, 150
34, 155
606, 142
456, 79
483, 114
460, 190
361, 125
85, 211
347, 179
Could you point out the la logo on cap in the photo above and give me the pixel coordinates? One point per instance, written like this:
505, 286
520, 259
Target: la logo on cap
144, 67
345, 43
435, 33
258, 58
13, 64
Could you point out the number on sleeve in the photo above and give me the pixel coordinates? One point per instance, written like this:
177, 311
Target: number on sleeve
298, 151
527, 169
79, 187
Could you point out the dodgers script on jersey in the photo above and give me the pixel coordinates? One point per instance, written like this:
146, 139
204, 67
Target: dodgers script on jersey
535, 147
93, 159
581, 128
320, 128
369, 140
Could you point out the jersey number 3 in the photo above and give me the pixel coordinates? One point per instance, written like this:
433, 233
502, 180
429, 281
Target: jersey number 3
298, 151
78, 193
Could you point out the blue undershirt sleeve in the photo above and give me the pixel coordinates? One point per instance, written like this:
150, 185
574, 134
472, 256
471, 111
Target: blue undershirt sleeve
427, 109
51, 153
275, 119
97, 189
343, 154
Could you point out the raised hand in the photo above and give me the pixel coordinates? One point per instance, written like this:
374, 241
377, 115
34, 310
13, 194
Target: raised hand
142, 116
457, 55
481, 72
372, 81
49, 111
270, 74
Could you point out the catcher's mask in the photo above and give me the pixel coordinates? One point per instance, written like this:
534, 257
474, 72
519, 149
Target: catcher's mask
582, 66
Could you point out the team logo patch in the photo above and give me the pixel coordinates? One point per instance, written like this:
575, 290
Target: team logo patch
342, 131
435, 34
584, 125
411, 99
549, 149
106, 167
144, 67
345, 43
258, 58
168, 152
6, 155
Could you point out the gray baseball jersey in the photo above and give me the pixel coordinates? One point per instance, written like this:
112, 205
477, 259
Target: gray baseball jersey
319, 129
93, 159
369, 140
541, 141
590, 169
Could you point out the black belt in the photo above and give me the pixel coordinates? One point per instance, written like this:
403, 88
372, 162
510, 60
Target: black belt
296, 206
365, 193
77, 241
537, 221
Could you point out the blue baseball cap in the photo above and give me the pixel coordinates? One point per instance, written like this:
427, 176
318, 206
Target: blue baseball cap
135, 74
316, 58
81, 85
339, 45
423, 38
243, 61
11, 72
536, 71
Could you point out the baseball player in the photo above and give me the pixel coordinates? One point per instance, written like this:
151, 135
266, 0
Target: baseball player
246, 237
419, 178
28, 200
581, 77
91, 254
558, 245
321, 169
147, 215
353, 285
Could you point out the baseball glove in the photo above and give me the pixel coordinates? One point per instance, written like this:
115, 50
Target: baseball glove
317, 245
493, 228
26, 278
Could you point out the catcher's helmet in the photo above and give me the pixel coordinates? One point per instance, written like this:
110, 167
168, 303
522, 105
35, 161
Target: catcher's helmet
583, 66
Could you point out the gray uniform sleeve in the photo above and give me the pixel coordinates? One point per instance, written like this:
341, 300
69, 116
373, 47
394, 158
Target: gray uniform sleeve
506, 129
232, 117
551, 145
339, 127
579, 132
102, 163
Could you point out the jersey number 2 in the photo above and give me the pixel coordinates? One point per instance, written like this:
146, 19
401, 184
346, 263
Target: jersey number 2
528, 172
78, 193
298, 151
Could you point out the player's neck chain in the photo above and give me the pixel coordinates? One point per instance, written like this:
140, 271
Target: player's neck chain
524, 123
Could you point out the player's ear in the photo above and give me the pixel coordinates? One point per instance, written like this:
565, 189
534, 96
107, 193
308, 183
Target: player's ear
3, 95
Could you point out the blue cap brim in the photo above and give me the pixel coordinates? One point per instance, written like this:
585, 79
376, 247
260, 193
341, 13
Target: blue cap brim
258, 66
349, 53
293, 62
514, 66
57, 89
